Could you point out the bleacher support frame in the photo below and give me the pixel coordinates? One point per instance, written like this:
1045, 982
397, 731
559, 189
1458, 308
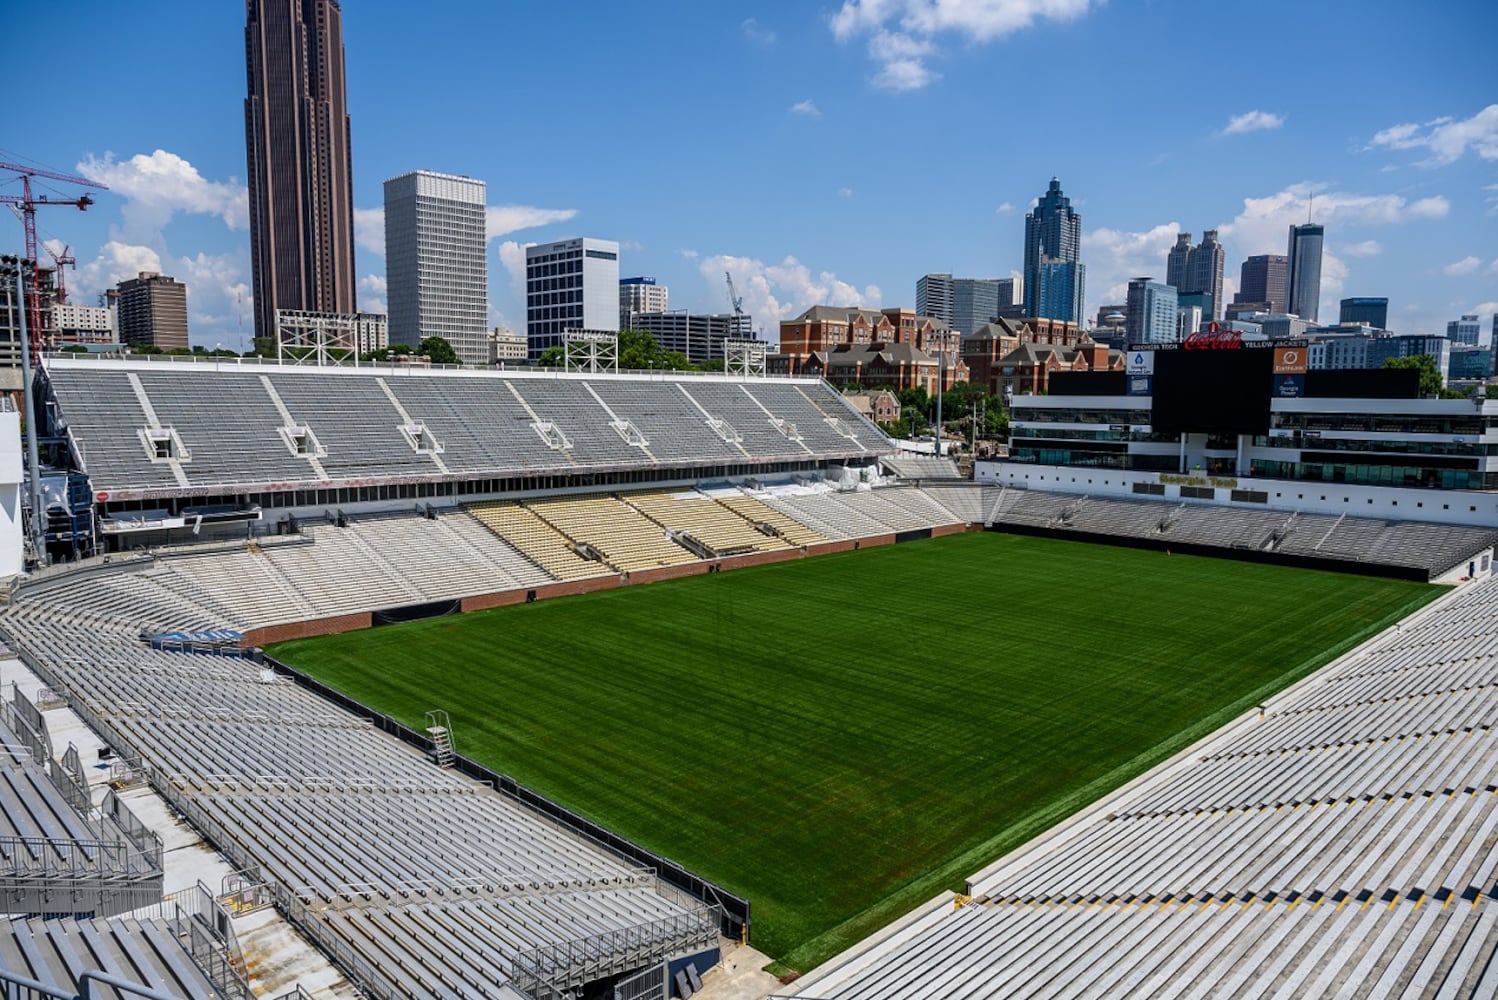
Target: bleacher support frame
552, 972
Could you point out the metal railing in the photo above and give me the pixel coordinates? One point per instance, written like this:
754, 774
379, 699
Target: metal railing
387, 368
362, 973
143, 837
551, 971
647, 984
206, 931
28, 723
68, 776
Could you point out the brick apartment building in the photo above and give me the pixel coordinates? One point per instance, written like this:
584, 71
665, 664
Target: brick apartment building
988, 352
875, 347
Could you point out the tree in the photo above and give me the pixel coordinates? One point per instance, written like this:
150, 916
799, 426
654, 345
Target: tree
386, 353
553, 357
439, 350
75, 349
1431, 383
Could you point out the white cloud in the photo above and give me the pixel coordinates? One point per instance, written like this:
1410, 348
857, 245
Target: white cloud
1446, 138
903, 33
757, 34
901, 61
1367, 248
1114, 256
372, 294
1462, 268
512, 258
1334, 274
1252, 121
116, 262
501, 220
806, 108
369, 230
1264, 224
845, 192
1491, 200
774, 292
158, 186
1005, 208
688, 254
219, 309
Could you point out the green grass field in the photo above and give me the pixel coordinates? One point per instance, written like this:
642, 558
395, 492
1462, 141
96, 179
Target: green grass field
840, 738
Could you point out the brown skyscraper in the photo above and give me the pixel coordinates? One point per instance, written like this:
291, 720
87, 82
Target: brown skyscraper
153, 311
297, 147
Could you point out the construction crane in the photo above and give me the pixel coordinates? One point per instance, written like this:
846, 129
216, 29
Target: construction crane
62, 260
737, 301
28, 206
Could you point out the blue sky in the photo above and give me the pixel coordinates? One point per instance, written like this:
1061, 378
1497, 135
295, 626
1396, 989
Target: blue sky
828, 153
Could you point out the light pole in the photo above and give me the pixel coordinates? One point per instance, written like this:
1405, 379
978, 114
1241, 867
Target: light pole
38, 530
941, 371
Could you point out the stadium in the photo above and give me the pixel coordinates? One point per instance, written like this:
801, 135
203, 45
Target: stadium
400, 682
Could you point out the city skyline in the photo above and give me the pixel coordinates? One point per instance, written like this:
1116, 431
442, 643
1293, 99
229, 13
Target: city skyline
1401, 168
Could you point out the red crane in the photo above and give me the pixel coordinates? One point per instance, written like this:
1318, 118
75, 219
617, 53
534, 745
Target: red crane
28, 206
62, 260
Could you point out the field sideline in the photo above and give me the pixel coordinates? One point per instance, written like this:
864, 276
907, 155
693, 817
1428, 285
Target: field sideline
840, 738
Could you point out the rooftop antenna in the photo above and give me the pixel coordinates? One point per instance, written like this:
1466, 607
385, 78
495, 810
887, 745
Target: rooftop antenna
1309, 203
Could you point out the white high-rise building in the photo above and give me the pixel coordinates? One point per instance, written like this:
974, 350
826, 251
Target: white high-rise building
570, 285
80, 324
436, 262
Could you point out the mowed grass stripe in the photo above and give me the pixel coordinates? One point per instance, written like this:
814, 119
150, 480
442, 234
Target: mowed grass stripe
833, 737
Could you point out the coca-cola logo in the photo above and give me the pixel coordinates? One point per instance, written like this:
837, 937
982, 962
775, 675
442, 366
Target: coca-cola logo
1214, 338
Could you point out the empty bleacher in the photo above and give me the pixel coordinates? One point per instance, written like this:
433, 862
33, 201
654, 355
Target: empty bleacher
922, 467
825, 512
481, 423
669, 420
625, 538
354, 421
147, 951
104, 419
359, 837
715, 526
571, 405
230, 418
1342, 842
1432, 548
251, 439
757, 512
537, 540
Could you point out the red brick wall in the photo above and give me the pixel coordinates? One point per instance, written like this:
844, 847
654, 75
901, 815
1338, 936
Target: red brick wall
307, 629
